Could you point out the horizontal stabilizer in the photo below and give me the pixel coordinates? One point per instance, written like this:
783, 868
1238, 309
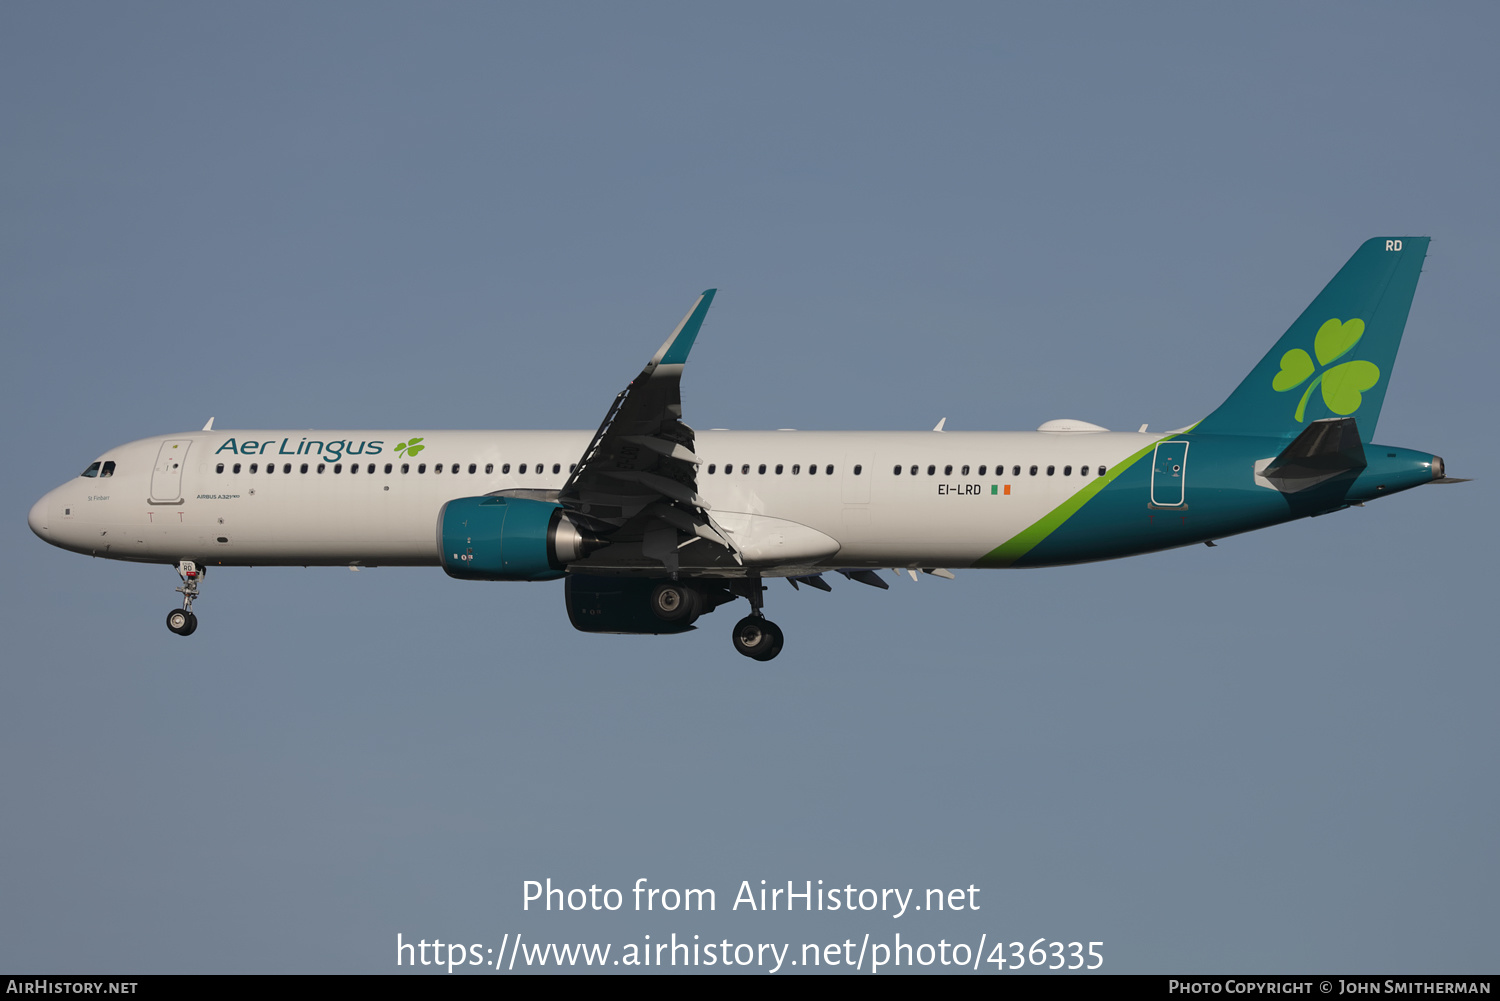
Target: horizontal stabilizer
1326, 449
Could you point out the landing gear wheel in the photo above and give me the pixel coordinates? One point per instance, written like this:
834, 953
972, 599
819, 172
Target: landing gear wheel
182, 622
757, 638
673, 602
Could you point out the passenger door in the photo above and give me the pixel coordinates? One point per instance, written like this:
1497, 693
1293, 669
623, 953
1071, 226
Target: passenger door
1169, 474
166, 478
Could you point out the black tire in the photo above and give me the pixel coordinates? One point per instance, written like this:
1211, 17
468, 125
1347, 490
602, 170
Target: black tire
674, 602
181, 621
757, 638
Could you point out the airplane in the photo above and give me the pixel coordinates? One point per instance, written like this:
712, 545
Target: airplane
652, 524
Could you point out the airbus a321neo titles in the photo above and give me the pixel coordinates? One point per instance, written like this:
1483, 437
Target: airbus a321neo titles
652, 524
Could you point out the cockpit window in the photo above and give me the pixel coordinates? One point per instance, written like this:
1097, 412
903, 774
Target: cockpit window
108, 470
93, 470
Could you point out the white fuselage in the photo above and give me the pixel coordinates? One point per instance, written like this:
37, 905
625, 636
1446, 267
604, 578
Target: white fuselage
207, 495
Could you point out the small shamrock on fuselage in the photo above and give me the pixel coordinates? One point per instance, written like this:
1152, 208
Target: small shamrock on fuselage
410, 448
1342, 384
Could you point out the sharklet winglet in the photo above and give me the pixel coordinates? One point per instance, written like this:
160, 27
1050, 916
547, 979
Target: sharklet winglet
674, 351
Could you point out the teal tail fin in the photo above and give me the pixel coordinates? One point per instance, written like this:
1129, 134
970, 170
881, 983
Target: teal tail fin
1336, 360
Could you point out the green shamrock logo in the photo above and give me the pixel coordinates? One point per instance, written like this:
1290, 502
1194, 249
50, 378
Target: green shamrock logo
410, 448
1342, 384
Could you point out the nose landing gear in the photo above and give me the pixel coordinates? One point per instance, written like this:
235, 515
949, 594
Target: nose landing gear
182, 621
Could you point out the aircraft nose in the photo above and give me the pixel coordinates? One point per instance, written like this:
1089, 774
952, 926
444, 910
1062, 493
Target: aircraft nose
37, 519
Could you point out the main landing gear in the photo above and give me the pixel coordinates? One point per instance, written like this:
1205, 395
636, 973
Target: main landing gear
182, 621
756, 636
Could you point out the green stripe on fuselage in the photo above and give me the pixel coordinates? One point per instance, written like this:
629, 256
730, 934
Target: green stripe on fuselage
1007, 553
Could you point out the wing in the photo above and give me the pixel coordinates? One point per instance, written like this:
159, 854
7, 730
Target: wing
636, 486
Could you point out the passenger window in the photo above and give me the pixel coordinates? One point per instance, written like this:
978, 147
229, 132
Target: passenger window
521, 469
1067, 470
982, 469
779, 468
489, 467
1101, 470
505, 468
964, 471
218, 469
858, 469
437, 467
745, 469
108, 470
93, 470
338, 467
797, 469
421, 467
827, 470
711, 467
761, 469
454, 470
947, 470
914, 470
353, 467
1051, 470
931, 470
270, 467
473, 468
405, 468
556, 468
896, 471
1033, 470
254, 467
572, 468
320, 467
1083, 470
304, 467
1016, 470
236, 467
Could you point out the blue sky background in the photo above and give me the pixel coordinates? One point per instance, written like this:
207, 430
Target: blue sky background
1276, 755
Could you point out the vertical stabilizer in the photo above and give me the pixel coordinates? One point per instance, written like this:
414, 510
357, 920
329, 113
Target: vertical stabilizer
1336, 360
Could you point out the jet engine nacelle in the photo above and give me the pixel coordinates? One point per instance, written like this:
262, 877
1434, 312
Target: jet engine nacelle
509, 538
